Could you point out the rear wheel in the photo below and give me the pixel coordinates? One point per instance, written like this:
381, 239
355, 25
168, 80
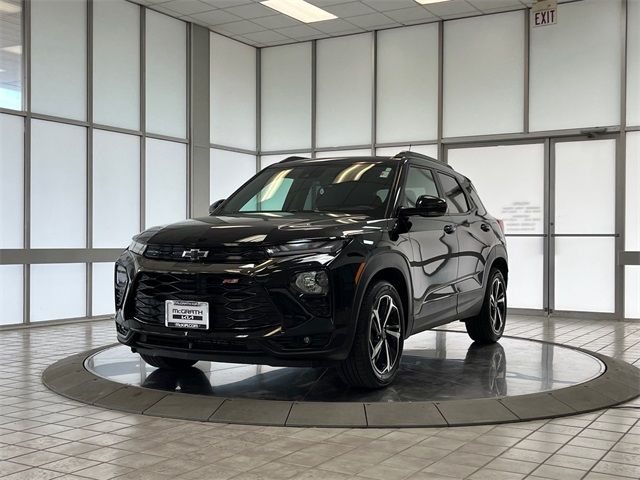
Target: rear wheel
168, 362
377, 346
489, 325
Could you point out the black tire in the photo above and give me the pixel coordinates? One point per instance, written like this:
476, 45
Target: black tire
168, 362
489, 325
364, 368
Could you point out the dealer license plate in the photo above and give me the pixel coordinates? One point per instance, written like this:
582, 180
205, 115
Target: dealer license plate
186, 314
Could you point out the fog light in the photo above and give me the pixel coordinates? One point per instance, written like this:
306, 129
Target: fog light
316, 283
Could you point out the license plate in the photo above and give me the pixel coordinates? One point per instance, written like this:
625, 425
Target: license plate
186, 314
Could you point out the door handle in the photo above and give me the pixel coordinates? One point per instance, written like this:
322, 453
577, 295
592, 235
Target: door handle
484, 227
449, 228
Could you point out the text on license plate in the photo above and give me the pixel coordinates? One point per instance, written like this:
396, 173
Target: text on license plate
186, 314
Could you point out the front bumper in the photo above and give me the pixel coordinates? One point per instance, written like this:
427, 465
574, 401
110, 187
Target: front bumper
308, 340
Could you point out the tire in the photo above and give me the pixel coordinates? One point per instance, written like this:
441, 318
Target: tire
364, 367
168, 362
489, 325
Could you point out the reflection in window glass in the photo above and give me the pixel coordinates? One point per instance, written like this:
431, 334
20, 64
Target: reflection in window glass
453, 194
419, 182
11, 54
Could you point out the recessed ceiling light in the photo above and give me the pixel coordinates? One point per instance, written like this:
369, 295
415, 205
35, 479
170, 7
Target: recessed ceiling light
300, 10
7, 7
17, 49
426, 2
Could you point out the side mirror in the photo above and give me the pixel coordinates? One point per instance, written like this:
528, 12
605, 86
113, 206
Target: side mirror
427, 206
215, 205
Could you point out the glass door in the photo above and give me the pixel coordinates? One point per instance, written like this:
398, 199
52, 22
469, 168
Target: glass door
582, 228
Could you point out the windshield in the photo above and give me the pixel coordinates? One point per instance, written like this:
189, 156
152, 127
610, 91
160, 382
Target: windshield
350, 187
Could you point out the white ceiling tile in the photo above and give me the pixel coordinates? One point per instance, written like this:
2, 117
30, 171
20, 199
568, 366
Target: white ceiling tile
252, 10
300, 31
216, 17
372, 21
241, 28
410, 15
451, 7
187, 7
384, 5
350, 9
226, 3
334, 26
277, 21
267, 37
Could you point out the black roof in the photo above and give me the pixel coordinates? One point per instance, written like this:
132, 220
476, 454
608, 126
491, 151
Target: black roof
403, 155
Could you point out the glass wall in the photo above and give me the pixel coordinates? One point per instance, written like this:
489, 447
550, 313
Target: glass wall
99, 162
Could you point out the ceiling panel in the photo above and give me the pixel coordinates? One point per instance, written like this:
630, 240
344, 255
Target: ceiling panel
251, 22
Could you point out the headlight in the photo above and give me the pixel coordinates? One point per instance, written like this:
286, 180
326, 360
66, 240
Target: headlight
137, 247
121, 282
296, 248
314, 282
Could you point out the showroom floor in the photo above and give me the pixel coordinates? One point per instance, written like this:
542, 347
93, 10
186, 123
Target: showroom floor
43, 435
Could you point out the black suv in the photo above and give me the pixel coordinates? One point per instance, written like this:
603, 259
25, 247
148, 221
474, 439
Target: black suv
317, 262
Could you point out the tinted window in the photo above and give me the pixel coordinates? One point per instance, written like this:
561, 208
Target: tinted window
453, 194
476, 199
419, 182
351, 187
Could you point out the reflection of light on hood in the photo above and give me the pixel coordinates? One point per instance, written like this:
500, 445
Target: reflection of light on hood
273, 185
352, 232
230, 226
253, 238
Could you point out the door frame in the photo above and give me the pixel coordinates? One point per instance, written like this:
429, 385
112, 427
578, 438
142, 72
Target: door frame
549, 142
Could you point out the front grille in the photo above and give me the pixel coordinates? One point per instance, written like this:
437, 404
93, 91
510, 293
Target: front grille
242, 306
223, 254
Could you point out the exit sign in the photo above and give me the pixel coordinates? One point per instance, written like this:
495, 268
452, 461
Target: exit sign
544, 12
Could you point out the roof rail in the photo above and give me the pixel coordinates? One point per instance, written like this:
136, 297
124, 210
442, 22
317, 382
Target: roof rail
410, 154
293, 159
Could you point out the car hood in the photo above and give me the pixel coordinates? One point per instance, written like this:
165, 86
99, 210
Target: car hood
254, 229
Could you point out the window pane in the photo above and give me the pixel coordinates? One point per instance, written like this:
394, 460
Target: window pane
419, 182
166, 182
632, 192
58, 185
429, 150
526, 270
11, 180
633, 63
58, 290
575, 68
286, 97
453, 194
11, 55
58, 58
11, 294
407, 84
581, 285
228, 171
484, 75
233, 93
267, 160
585, 187
116, 64
116, 188
632, 291
166, 75
102, 299
345, 153
344, 88
509, 180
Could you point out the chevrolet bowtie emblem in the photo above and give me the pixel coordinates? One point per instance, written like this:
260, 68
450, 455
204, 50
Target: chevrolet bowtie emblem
195, 254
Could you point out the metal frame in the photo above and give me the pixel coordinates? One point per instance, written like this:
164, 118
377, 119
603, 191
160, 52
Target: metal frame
88, 255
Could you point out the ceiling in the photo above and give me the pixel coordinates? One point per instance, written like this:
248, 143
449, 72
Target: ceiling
250, 22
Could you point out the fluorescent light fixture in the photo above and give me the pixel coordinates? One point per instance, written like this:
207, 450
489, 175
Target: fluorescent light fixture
299, 9
426, 2
7, 7
17, 49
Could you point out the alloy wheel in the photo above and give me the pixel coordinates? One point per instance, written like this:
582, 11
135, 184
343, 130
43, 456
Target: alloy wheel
384, 335
497, 305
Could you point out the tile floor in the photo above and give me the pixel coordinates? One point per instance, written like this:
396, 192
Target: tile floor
43, 435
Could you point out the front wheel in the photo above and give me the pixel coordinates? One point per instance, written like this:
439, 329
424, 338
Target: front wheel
489, 325
377, 346
168, 362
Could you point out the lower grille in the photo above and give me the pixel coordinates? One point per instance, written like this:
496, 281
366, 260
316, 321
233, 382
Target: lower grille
242, 306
